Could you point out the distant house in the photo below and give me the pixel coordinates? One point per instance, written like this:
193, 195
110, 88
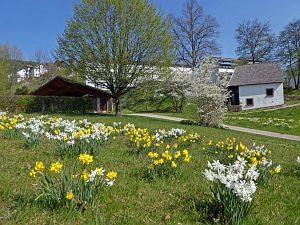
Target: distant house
31, 71
256, 86
61, 86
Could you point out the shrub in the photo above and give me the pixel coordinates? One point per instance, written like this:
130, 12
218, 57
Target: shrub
209, 95
22, 90
30, 103
189, 122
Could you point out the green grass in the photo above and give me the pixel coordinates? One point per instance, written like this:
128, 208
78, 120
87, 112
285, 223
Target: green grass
287, 114
134, 200
292, 102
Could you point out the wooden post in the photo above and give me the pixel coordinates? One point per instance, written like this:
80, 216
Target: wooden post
98, 105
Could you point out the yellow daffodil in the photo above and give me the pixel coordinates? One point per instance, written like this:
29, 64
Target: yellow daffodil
32, 173
161, 161
177, 155
277, 169
173, 165
39, 166
185, 152
99, 170
86, 158
84, 175
56, 167
111, 175
70, 196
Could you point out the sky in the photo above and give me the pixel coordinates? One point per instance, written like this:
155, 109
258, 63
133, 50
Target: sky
35, 24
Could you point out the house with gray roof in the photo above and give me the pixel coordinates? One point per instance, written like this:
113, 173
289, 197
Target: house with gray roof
256, 86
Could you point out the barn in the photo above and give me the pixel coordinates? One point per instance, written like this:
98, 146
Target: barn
61, 86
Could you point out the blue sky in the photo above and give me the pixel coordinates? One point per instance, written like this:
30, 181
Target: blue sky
34, 24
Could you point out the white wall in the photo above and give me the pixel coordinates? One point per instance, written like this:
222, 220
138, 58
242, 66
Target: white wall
258, 93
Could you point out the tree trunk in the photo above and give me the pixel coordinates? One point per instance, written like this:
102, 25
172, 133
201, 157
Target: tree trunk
118, 107
298, 81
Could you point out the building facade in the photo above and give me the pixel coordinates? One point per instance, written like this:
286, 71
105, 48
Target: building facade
257, 86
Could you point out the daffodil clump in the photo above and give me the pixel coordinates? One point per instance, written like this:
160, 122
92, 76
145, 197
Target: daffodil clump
166, 150
33, 131
190, 139
177, 134
166, 161
140, 140
229, 150
163, 135
226, 150
70, 137
9, 125
232, 189
72, 187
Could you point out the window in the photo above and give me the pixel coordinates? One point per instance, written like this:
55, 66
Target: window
249, 102
270, 92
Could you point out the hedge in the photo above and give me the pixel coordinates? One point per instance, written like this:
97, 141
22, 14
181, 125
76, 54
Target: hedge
48, 104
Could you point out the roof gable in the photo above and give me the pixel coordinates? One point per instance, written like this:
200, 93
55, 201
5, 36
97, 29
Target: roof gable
61, 86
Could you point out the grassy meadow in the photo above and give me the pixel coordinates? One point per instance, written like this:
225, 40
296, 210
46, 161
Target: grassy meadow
136, 200
281, 121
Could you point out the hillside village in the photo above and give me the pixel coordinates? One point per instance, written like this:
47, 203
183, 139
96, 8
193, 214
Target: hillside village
150, 112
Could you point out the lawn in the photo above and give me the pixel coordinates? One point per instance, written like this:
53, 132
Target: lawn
281, 121
135, 200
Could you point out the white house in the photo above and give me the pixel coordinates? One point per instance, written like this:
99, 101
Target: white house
257, 85
31, 71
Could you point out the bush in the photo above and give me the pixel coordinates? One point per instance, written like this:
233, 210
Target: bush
23, 90
30, 103
190, 122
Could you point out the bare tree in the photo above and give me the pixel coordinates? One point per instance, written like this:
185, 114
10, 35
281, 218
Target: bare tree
255, 41
194, 34
53, 70
289, 50
4, 67
15, 56
41, 57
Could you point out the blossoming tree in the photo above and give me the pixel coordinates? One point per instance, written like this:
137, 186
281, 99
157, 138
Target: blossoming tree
209, 93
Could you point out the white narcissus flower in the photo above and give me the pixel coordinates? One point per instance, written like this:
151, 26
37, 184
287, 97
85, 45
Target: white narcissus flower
235, 177
208, 175
110, 183
298, 159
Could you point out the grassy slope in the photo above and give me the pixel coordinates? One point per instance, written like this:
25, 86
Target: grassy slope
134, 200
288, 113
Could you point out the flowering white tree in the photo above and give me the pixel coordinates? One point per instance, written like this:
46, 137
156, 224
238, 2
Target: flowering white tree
175, 87
202, 87
208, 94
